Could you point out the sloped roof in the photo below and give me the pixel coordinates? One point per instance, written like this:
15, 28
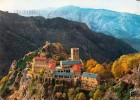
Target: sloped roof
90, 75
76, 67
40, 58
62, 74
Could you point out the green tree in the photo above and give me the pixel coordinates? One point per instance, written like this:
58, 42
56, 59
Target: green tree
80, 96
98, 94
91, 94
78, 89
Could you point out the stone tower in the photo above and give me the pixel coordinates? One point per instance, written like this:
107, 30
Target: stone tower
75, 54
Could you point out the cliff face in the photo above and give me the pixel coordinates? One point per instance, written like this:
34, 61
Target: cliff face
19, 35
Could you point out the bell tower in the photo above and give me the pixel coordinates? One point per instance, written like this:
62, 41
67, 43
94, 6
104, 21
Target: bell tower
75, 54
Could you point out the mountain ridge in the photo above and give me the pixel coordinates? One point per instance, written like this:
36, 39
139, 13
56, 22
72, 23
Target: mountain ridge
73, 12
117, 24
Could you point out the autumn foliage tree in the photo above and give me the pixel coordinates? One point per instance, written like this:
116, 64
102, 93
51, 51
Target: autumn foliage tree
125, 64
93, 66
90, 65
99, 69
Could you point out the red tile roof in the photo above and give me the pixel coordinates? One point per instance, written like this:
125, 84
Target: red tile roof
40, 58
52, 60
52, 66
76, 67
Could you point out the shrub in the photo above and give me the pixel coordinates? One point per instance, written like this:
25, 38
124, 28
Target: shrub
71, 93
91, 94
78, 89
23, 62
80, 96
98, 94
123, 91
32, 90
4, 80
4, 91
64, 96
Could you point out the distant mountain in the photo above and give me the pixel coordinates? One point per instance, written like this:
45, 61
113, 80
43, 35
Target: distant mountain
113, 23
19, 35
119, 25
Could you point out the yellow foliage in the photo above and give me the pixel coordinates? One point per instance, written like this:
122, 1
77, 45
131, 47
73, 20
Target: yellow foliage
4, 80
57, 58
47, 42
88, 69
93, 66
91, 63
31, 72
92, 70
10, 72
99, 69
41, 71
125, 64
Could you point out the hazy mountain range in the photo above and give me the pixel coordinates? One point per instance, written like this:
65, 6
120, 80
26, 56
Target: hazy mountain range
124, 26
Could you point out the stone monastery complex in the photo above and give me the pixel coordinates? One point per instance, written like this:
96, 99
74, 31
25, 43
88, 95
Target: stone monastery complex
66, 70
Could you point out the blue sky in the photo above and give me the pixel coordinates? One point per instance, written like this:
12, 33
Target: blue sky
131, 6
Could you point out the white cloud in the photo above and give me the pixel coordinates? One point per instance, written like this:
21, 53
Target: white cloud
116, 5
